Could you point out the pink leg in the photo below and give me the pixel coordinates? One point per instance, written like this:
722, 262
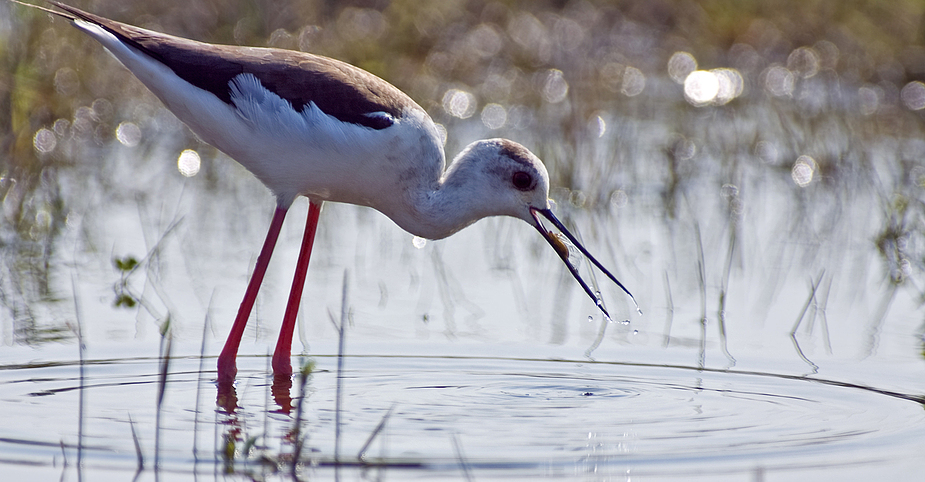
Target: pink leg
226, 360
282, 365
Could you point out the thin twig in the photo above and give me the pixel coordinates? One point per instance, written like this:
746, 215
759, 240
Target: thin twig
462, 459
814, 285
362, 454
670, 311
338, 398
202, 359
701, 269
80, 398
166, 343
138, 453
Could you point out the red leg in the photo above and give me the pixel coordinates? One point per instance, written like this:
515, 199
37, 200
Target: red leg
282, 365
226, 360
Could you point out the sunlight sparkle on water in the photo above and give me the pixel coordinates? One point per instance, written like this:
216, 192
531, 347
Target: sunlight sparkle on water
619, 198
913, 95
459, 104
601, 125
701, 87
494, 116
778, 81
804, 61
128, 134
713, 87
556, 88
188, 163
680, 65
869, 98
634, 82
44, 141
803, 170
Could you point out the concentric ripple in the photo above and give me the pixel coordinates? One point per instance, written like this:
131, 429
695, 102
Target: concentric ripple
441, 417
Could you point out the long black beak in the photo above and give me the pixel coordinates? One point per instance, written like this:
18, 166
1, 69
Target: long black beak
562, 251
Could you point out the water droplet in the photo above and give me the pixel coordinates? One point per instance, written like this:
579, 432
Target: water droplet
590, 318
418, 242
639, 310
625, 322
635, 332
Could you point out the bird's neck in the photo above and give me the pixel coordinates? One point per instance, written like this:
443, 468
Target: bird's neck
437, 210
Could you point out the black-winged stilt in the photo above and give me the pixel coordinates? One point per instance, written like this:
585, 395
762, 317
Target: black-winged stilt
312, 126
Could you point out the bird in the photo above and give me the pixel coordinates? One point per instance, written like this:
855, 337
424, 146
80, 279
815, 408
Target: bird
313, 126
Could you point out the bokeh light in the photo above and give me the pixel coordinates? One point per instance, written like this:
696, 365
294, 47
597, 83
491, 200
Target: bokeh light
128, 134
681, 65
634, 82
869, 99
713, 87
188, 163
494, 116
778, 81
555, 88
913, 95
459, 103
44, 141
804, 62
767, 152
803, 170
701, 87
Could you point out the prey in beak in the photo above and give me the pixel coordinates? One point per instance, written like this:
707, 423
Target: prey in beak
563, 252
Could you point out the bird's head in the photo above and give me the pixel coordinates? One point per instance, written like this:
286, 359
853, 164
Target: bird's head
518, 184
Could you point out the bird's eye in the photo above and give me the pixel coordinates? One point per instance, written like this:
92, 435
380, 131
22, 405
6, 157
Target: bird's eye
522, 180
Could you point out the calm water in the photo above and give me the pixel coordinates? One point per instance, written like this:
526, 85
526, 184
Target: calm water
772, 237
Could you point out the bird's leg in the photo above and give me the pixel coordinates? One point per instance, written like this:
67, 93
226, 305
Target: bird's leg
282, 366
226, 360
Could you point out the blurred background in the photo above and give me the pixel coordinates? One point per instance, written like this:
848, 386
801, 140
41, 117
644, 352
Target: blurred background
723, 157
